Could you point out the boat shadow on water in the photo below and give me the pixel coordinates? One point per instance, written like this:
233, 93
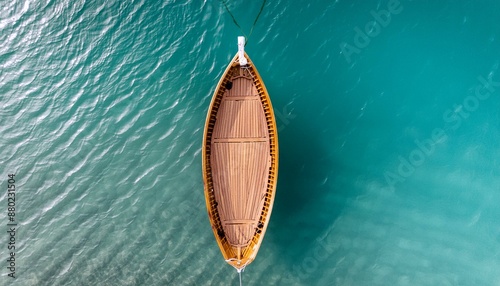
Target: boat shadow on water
307, 199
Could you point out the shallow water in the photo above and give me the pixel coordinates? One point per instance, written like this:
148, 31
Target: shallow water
388, 132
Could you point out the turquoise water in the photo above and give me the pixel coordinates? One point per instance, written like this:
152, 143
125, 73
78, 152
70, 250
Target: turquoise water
388, 130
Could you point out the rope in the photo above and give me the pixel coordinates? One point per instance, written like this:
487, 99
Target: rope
236, 22
239, 273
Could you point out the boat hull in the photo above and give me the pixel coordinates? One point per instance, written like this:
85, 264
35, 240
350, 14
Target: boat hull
240, 162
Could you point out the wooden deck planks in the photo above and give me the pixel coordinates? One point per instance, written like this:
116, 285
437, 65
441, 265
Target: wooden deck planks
242, 86
240, 181
238, 119
240, 161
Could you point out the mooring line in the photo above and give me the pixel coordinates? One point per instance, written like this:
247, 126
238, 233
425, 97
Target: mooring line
238, 25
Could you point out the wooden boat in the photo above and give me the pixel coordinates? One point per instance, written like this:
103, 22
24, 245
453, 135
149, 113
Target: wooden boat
240, 161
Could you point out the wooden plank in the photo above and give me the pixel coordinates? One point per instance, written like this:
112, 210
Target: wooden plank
250, 97
241, 140
239, 221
